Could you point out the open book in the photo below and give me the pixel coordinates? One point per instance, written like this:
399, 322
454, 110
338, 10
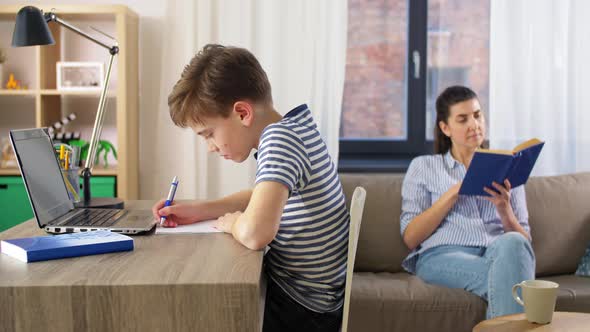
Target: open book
496, 165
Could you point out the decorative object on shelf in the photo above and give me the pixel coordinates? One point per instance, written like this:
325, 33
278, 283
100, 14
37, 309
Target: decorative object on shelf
64, 136
13, 84
104, 148
31, 29
2, 60
8, 158
79, 76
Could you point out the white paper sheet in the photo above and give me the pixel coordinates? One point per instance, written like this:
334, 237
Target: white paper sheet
198, 227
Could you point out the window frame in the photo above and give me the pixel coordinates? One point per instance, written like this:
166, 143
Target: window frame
360, 155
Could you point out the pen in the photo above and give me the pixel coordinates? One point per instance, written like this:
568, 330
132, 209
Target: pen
170, 198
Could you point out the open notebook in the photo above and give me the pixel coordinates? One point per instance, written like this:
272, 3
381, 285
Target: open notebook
198, 227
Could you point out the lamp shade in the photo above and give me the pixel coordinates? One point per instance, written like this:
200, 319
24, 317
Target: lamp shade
31, 28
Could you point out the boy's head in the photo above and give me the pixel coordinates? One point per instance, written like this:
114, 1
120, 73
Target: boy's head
217, 95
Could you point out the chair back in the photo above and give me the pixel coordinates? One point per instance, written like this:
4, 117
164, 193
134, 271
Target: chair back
357, 206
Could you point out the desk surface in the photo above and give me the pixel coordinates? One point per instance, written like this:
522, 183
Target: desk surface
168, 282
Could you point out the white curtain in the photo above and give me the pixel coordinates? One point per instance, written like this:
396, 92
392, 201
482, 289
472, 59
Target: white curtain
301, 45
540, 78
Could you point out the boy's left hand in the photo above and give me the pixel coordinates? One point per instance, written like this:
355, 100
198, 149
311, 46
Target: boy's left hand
226, 222
501, 196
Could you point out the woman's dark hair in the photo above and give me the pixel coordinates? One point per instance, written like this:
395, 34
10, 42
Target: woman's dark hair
451, 96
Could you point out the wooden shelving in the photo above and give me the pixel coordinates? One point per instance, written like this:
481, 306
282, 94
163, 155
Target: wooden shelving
37, 67
4, 92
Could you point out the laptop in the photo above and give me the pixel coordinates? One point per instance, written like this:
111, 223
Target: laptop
52, 207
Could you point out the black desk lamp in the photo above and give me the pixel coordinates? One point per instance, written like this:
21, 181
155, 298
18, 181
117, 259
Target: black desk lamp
31, 29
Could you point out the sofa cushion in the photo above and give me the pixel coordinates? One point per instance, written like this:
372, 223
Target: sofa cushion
559, 216
380, 246
573, 294
403, 302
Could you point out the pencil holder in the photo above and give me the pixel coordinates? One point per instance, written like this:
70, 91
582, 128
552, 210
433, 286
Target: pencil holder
72, 180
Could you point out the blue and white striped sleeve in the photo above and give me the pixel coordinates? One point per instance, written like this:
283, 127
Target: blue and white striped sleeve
518, 202
282, 158
415, 196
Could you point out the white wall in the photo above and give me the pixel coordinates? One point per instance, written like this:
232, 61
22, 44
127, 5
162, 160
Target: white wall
151, 14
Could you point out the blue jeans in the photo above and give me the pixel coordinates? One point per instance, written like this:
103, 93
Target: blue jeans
487, 272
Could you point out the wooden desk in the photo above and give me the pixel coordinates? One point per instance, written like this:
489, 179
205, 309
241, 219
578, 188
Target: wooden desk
562, 321
188, 282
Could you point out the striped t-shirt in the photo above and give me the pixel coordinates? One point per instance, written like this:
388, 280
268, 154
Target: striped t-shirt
472, 222
307, 258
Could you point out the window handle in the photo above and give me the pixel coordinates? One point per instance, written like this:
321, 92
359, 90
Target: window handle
416, 60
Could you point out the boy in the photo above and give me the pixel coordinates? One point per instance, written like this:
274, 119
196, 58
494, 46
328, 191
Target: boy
296, 208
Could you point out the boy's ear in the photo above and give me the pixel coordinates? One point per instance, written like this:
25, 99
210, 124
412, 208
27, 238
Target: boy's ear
244, 111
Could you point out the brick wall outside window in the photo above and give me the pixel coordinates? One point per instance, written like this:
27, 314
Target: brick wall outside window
374, 104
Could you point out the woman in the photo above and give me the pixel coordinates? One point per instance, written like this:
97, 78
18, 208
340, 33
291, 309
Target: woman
480, 244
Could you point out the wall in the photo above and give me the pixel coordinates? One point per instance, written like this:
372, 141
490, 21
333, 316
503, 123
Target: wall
151, 15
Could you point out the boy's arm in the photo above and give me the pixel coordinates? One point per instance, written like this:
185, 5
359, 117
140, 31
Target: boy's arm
231, 203
180, 213
259, 224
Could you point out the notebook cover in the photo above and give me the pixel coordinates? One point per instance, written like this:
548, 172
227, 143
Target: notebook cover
41, 248
486, 168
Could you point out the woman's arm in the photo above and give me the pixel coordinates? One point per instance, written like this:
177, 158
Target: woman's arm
424, 224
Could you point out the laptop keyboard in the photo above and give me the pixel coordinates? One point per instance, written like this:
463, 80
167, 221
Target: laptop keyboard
96, 218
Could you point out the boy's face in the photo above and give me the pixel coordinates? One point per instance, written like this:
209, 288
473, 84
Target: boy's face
230, 137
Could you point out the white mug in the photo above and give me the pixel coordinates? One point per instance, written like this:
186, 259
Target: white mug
538, 299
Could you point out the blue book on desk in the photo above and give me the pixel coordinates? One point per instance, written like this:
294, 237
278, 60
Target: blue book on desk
42, 248
497, 165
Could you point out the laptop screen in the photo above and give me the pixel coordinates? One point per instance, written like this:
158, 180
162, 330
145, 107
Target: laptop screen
41, 174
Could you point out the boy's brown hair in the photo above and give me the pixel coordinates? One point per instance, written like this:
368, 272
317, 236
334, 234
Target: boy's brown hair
213, 81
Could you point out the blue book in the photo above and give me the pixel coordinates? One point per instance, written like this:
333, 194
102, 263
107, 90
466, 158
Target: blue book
42, 248
497, 165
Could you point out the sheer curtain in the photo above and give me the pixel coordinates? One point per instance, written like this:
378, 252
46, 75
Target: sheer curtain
301, 45
539, 80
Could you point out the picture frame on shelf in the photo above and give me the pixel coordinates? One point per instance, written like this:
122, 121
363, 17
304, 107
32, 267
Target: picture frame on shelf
79, 76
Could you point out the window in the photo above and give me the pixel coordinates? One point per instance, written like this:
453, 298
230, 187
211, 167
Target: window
389, 95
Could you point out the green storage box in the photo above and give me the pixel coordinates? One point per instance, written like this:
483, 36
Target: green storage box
14, 202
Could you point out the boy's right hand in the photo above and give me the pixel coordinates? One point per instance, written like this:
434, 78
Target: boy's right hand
176, 213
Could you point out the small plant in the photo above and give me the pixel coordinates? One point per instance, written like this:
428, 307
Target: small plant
2, 56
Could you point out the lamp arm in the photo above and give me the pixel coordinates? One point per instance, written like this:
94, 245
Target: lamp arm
52, 17
97, 129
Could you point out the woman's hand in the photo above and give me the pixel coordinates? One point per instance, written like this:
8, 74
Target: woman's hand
500, 197
178, 213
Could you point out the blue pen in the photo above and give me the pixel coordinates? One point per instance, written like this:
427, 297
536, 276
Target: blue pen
170, 198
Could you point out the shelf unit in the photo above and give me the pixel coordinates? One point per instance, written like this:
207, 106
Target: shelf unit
42, 103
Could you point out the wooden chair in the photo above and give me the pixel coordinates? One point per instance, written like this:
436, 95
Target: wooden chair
357, 206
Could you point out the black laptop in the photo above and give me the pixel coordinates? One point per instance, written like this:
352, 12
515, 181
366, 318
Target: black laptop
53, 209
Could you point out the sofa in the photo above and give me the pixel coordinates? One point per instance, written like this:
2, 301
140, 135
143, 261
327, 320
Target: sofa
386, 298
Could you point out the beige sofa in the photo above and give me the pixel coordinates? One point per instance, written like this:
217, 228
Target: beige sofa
386, 298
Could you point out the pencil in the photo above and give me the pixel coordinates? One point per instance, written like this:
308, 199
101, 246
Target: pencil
67, 160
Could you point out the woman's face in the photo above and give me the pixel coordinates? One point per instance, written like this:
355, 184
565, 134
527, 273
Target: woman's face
466, 125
